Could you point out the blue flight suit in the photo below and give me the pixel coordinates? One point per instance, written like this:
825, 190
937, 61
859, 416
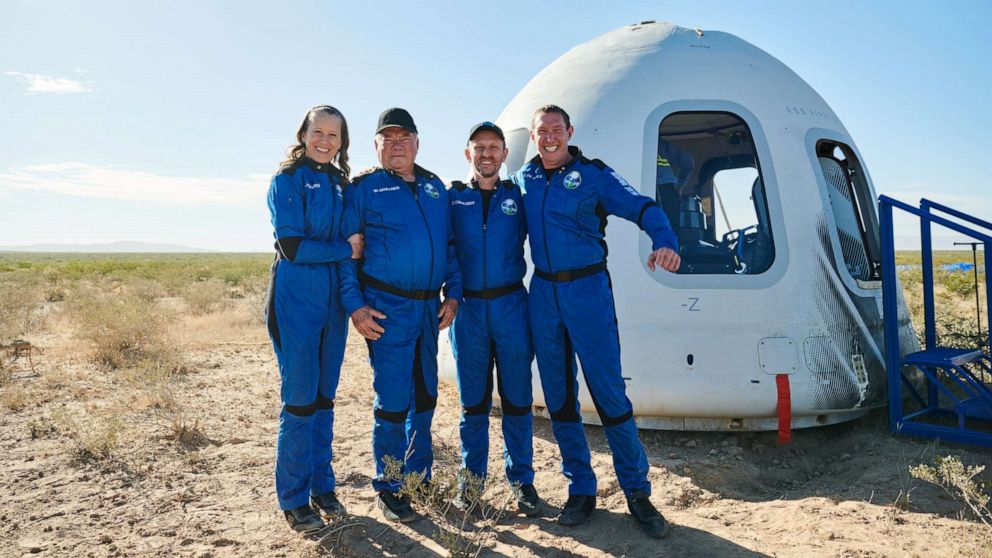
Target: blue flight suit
572, 310
491, 328
409, 253
675, 165
306, 322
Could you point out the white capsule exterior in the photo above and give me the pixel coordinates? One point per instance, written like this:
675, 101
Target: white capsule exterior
805, 317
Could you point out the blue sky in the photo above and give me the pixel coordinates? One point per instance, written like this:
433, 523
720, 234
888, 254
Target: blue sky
162, 121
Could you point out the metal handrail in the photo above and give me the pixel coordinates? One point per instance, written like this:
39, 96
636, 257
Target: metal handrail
923, 214
924, 203
889, 304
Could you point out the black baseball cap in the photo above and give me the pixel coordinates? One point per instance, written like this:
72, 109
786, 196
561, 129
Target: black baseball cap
396, 117
487, 125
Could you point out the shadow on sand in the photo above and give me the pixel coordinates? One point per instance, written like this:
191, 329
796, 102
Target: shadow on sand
858, 460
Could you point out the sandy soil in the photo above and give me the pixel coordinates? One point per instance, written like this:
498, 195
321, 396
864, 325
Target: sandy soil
833, 492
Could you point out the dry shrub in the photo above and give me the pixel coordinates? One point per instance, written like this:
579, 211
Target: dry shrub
204, 297
123, 330
255, 293
96, 437
55, 286
185, 429
14, 397
958, 480
462, 534
148, 290
41, 428
155, 386
20, 310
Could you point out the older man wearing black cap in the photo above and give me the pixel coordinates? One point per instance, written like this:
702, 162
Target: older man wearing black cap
393, 298
491, 330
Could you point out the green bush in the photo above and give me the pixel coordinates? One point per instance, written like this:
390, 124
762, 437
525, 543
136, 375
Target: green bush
958, 282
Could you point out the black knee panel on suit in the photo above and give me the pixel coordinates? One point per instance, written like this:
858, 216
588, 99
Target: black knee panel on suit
301, 411
324, 403
397, 417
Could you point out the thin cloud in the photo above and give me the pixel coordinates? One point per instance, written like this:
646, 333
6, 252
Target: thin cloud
117, 183
979, 206
907, 226
38, 83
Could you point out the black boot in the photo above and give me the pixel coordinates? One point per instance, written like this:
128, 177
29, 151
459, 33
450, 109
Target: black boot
327, 505
395, 507
649, 518
577, 510
304, 520
528, 502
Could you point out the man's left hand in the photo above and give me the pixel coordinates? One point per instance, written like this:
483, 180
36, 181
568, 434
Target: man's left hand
666, 258
446, 314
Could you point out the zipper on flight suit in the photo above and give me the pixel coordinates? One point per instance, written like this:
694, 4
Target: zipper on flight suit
430, 237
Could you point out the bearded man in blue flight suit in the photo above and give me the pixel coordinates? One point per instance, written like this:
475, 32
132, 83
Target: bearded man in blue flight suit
392, 297
567, 199
491, 329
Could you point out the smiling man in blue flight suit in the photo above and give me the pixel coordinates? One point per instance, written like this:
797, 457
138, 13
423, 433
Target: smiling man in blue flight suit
567, 199
392, 297
491, 328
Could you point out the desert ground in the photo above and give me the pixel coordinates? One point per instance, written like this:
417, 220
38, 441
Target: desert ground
142, 420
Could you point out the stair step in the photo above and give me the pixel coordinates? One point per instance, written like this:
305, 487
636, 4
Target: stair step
943, 356
975, 408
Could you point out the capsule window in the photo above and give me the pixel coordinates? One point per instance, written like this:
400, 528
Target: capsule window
708, 182
856, 225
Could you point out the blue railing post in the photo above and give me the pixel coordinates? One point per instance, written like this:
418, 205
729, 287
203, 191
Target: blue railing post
890, 315
926, 249
988, 290
929, 312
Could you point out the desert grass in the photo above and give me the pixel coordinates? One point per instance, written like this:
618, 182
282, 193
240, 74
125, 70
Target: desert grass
14, 398
21, 306
462, 533
118, 333
958, 480
95, 436
954, 294
123, 362
119, 329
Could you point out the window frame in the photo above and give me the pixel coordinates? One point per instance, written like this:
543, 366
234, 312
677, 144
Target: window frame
766, 172
865, 198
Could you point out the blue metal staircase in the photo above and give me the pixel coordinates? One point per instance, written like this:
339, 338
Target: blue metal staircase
957, 406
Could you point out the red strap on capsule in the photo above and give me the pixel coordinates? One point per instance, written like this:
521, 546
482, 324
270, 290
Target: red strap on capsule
784, 409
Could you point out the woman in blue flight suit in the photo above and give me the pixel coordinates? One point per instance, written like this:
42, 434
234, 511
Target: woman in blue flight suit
306, 322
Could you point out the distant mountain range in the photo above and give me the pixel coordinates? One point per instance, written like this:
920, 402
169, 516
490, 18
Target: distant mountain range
903, 242
123, 246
